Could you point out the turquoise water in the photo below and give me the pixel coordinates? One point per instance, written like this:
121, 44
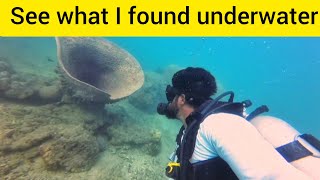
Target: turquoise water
282, 73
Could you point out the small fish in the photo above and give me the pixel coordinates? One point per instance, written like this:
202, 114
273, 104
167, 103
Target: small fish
49, 59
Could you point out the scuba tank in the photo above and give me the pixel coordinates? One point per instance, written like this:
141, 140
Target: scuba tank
305, 148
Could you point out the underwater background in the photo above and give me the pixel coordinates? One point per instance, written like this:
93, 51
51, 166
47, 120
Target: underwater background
282, 73
132, 141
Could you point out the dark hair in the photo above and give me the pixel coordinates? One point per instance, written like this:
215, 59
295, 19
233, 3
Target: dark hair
196, 83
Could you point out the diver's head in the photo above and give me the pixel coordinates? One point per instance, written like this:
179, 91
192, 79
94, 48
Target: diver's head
190, 88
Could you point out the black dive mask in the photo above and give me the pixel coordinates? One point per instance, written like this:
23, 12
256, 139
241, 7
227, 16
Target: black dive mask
169, 109
171, 92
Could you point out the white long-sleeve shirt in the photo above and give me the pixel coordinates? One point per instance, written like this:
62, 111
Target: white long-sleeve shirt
238, 142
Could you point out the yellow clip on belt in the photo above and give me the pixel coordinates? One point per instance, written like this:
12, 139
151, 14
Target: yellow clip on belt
171, 165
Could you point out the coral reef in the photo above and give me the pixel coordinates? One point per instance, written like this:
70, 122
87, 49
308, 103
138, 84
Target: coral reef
27, 87
51, 128
52, 133
37, 140
49, 140
11, 85
19, 90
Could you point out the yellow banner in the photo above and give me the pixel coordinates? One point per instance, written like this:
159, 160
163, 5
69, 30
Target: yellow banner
159, 18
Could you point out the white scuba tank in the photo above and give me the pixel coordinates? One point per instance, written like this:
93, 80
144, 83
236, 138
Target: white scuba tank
279, 133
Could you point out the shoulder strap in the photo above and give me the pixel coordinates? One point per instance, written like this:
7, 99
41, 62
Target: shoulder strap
178, 141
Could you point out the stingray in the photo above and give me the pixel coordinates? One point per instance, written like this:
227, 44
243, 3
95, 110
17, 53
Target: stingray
98, 69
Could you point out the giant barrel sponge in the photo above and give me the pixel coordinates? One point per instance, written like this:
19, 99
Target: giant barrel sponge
97, 70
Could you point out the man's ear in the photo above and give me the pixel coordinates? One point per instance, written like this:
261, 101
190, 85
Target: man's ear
182, 99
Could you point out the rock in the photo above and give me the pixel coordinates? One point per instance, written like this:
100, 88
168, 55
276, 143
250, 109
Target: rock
134, 136
32, 139
8, 133
19, 90
4, 74
51, 137
5, 66
71, 152
156, 135
50, 93
6, 166
15, 77
19, 94
154, 147
4, 84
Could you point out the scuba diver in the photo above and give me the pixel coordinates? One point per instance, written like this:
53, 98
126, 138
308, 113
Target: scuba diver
218, 141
